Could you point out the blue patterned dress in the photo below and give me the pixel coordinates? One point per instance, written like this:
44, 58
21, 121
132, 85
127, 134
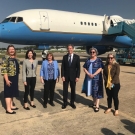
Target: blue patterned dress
93, 87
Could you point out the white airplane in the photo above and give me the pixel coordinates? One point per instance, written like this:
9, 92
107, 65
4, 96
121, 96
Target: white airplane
51, 27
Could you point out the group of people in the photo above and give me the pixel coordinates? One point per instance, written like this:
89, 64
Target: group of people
93, 67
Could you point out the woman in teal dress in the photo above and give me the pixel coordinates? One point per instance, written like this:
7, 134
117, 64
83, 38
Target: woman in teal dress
93, 83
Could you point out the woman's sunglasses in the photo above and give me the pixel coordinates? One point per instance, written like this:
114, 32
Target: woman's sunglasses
92, 52
110, 58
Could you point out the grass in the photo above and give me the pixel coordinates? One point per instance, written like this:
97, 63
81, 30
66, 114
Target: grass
39, 53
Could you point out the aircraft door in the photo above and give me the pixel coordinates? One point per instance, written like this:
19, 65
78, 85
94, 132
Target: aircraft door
106, 23
44, 20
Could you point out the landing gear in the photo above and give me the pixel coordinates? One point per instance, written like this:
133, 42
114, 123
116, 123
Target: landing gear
44, 53
121, 62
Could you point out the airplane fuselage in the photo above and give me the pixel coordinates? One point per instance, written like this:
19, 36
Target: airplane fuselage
53, 27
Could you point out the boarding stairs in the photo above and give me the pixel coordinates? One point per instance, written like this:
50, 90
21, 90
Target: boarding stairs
120, 27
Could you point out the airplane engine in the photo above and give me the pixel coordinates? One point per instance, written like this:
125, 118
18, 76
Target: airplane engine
101, 49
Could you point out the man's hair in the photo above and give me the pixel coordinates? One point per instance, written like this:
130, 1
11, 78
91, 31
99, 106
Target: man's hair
70, 45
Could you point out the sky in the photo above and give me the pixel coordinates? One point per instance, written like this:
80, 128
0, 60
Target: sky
123, 8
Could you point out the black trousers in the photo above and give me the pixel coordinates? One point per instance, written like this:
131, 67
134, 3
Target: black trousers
113, 94
49, 89
31, 82
65, 90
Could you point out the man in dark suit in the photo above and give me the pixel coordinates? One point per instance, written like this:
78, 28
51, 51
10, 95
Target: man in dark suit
70, 73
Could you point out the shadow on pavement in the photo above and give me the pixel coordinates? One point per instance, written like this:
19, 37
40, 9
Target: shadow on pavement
106, 131
79, 98
2, 99
128, 72
129, 125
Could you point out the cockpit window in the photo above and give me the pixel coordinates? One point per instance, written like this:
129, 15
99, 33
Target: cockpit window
13, 19
6, 20
19, 19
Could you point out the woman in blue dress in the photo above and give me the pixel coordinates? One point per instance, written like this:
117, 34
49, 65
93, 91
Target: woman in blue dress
93, 83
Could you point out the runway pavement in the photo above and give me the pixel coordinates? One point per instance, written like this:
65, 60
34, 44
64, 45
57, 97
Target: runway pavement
81, 121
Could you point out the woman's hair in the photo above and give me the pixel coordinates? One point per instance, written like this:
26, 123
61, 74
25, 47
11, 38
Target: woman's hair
51, 54
114, 60
26, 55
8, 50
94, 50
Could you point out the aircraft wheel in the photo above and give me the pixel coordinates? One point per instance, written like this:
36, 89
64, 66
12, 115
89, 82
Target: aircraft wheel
121, 62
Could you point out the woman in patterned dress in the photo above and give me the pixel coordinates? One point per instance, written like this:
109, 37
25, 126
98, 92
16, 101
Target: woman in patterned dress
49, 75
10, 72
93, 83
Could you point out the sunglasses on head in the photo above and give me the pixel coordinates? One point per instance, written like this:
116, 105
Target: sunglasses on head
92, 52
110, 58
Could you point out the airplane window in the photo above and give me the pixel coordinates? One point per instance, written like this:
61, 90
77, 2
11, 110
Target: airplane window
19, 19
13, 19
95, 24
81, 23
92, 24
6, 20
88, 23
84, 23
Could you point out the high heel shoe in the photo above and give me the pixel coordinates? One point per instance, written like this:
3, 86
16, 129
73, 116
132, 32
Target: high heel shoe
14, 108
26, 108
33, 106
10, 112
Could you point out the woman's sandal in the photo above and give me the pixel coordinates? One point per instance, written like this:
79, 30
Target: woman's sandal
107, 111
116, 114
96, 109
92, 105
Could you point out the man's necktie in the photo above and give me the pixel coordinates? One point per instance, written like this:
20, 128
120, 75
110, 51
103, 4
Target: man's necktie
69, 61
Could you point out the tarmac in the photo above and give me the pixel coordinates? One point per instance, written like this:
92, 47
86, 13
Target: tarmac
80, 121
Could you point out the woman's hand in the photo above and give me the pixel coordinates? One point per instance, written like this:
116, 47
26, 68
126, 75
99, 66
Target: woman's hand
63, 79
41, 80
77, 79
91, 76
8, 83
57, 80
25, 83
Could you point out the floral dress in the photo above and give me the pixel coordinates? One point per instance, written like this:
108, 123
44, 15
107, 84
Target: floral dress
94, 86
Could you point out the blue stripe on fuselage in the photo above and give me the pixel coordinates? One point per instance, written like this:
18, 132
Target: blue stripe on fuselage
19, 33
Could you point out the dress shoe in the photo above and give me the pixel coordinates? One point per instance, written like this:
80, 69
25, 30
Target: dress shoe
64, 105
14, 108
73, 105
33, 106
52, 104
10, 112
45, 105
26, 108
